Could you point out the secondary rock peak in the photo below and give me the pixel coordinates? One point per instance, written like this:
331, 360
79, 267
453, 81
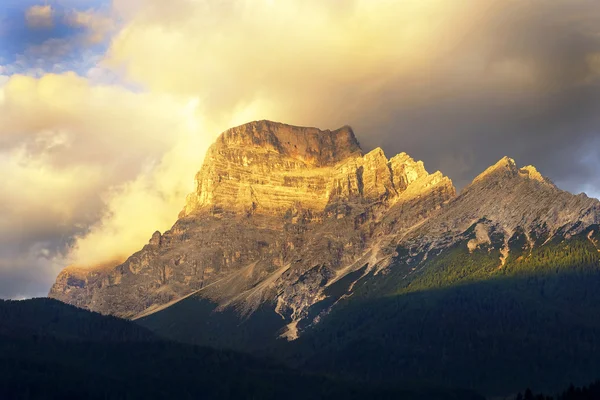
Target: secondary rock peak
505, 167
531, 172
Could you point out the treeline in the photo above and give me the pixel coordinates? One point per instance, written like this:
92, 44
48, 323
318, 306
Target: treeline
591, 392
577, 254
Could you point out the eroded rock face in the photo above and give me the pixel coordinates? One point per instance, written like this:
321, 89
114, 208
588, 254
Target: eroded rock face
273, 205
268, 168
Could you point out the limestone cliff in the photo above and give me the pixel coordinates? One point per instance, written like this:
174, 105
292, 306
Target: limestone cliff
268, 168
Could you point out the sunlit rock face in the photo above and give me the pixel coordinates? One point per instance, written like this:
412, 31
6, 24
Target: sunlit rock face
269, 168
264, 167
273, 204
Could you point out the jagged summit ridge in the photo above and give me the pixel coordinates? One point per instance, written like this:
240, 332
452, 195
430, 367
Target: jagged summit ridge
531, 172
504, 168
267, 167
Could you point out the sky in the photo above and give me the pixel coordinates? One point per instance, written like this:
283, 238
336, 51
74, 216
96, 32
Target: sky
107, 107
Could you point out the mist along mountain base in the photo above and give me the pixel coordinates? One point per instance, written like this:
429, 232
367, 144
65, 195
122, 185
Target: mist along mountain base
297, 245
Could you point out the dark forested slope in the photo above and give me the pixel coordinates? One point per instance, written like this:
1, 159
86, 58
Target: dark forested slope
459, 320
49, 350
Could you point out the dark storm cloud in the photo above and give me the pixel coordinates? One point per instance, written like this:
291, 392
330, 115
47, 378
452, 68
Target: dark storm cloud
466, 121
27, 274
457, 84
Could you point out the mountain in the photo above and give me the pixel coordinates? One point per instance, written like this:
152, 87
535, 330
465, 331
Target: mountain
297, 245
50, 350
278, 213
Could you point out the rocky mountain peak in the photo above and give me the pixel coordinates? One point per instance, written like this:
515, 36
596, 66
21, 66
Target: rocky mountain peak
312, 146
512, 199
504, 168
405, 170
507, 169
269, 167
284, 218
265, 167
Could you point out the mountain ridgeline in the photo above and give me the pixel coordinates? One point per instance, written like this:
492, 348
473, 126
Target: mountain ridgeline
297, 245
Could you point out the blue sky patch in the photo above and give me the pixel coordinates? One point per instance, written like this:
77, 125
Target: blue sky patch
61, 47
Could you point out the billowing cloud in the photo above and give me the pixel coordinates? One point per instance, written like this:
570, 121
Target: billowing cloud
38, 17
456, 85
150, 202
87, 163
42, 207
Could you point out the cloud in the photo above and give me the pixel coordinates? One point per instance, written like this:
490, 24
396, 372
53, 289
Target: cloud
26, 276
153, 199
40, 17
92, 171
469, 83
147, 203
97, 25
42, 207
38, 59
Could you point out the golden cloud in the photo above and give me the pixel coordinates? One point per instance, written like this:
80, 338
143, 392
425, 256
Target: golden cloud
316, 62
100, 165
40, 17
313, 62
